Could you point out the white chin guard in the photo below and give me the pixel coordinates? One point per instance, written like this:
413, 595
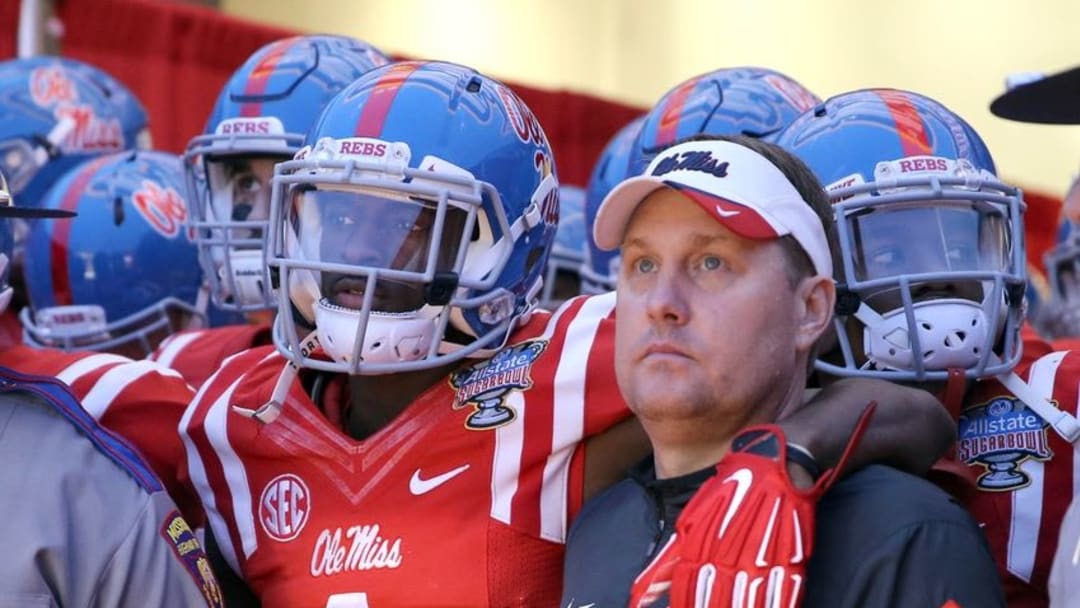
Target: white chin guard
246, 283
390, 337
952, 334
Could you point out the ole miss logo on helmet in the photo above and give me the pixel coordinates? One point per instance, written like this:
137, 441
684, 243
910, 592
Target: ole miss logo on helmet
89, 132
50, 86
163, 208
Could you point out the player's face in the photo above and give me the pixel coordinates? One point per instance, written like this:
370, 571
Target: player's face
891, 241
248, 186
705, 318
385, 237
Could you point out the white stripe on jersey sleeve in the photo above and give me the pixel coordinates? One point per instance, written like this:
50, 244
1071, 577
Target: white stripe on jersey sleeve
112, 382
568, 416
86, 365
506, 465
235, 473
172, 347
201, 481
1027, 502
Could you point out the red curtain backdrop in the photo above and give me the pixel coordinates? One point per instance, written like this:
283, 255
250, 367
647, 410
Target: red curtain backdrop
176, 57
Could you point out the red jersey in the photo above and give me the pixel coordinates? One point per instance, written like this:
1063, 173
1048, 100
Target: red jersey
1026, 474
1034, 347
465, 499
139, 400
198, 353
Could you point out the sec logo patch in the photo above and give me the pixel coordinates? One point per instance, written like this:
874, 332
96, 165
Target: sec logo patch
284, 507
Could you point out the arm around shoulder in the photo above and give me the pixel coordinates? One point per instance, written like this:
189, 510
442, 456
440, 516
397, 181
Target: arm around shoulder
909, 429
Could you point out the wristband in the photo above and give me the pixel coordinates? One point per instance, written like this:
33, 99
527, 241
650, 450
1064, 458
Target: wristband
802, 457
767, 443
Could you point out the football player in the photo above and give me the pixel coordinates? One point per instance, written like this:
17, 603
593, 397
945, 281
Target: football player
421, 434
600, 267
260, 118
94, 287
752, 101
932, 287
123, 274
562, 277
1058, 318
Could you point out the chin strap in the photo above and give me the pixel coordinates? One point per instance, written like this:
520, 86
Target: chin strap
955, 387
269, 411
1038, 401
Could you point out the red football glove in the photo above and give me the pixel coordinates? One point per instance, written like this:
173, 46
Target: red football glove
745, 537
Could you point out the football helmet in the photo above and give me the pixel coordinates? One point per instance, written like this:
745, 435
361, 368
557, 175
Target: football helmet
54, 114
7, 246
260, 118
1059, 315
931, 242
600, 267
751, 101
562, 279
414, 228
123, 271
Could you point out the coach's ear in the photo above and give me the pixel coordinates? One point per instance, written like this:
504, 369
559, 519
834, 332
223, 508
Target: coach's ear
815, 298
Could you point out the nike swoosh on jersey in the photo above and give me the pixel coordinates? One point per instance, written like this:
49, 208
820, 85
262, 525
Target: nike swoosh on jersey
419, 486
725, 213
743, 478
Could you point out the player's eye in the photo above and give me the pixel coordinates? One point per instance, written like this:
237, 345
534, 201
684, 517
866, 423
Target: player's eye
711, 262
644, 265
247, 183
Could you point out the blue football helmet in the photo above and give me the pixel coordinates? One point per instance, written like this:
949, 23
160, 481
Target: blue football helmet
260, 118
7, 246
1059, 315
600, 267
123, 272
931, 241
751, 101
562, 279
414, 228
56, 113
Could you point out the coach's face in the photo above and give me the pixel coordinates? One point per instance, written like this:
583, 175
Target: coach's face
707, 323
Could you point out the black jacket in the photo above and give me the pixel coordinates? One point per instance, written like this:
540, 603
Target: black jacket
884, 538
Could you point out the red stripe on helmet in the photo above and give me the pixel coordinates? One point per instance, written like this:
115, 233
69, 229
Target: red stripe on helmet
58, 246
378, 104
260, 76
668, 128
909, 125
